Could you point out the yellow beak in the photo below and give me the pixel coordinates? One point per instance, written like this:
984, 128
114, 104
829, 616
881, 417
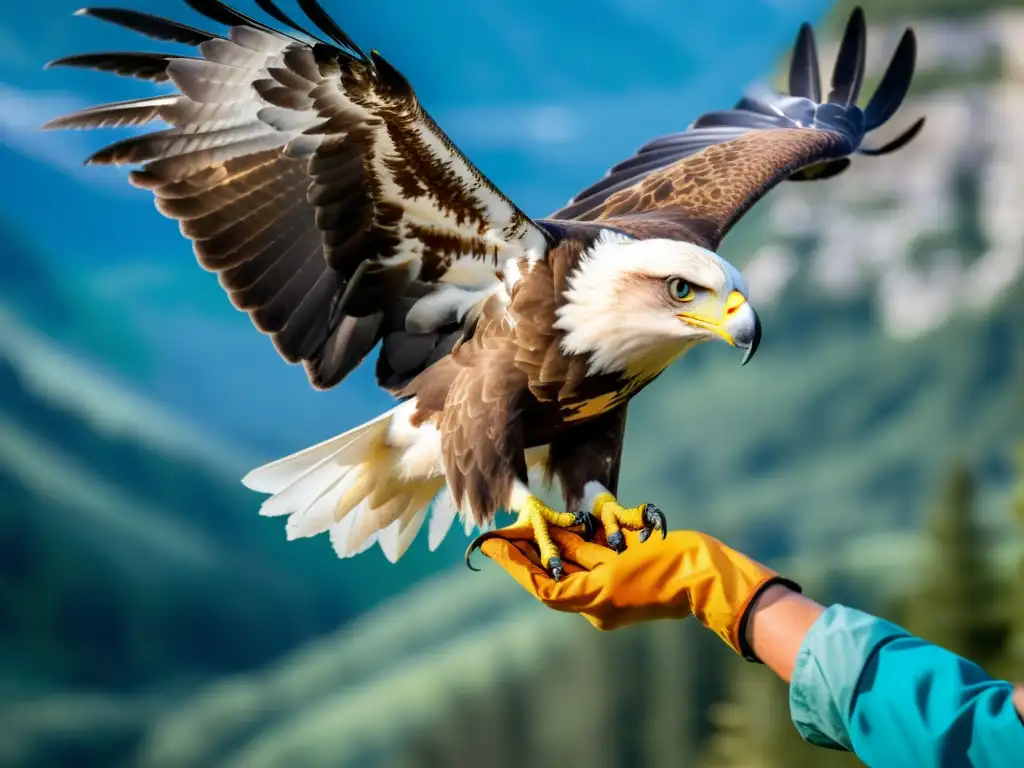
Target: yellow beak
734, 301
739, 325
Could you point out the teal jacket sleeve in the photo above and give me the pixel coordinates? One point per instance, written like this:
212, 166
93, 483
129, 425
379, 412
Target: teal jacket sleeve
865, 685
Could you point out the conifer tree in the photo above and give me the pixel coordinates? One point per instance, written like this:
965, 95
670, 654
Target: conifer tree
957, 603
1015, 603
752, 725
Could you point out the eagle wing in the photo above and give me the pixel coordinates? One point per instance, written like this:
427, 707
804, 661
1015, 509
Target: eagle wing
309, 178
706, 177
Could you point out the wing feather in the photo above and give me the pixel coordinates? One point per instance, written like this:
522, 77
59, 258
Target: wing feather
307, 176
892, 88
709, 175
804, 75
120, 114
149, 25
848, 73
144, 66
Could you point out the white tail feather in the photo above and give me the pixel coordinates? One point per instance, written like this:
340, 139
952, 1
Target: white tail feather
339, 535
442, 516
376, 519
335, 504
322, 479
372, 484
277, 475
396, 538
389, 537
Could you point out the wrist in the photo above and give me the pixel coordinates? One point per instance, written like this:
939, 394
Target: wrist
776, 625
774, 589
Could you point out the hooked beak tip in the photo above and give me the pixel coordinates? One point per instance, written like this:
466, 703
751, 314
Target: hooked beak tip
755, 341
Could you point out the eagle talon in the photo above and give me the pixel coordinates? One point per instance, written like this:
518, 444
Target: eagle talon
617, 541
645, 518
533, 526
655, 521
555, 568
476, 543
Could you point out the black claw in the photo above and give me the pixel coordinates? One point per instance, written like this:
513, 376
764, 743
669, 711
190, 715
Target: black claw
617, 541
476, 543
655, 520
589, 523
555, 566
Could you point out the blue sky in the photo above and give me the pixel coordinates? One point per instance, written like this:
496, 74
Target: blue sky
543, 96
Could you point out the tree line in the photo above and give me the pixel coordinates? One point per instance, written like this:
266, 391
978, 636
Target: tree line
669, 694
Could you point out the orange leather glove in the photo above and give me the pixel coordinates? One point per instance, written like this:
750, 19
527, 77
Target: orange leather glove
685, 573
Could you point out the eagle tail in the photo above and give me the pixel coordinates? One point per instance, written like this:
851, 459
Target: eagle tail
372, 484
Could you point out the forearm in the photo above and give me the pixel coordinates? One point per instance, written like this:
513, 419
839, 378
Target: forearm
856, 684
778, 622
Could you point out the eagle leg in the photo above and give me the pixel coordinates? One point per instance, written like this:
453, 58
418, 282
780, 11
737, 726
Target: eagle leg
536, 516
539, 516
645, 518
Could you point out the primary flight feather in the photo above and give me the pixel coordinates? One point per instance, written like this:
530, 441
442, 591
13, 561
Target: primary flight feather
340, 217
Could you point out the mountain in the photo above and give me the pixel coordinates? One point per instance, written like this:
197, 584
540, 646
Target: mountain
100, 522
114, 509
894, 343
133, 565
151, 618
40, 296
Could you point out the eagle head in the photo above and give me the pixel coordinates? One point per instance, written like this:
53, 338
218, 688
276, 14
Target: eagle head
635, 305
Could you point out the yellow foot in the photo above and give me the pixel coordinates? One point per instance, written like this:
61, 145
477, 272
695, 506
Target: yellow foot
536, 516
645, 518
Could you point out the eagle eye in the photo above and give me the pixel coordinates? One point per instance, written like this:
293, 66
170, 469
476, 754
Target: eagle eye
679, 289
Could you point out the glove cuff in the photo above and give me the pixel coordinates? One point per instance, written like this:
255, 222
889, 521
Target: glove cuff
741, 643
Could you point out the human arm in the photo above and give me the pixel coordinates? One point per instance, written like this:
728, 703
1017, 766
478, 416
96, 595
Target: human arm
778, 622
857, 682
862, 684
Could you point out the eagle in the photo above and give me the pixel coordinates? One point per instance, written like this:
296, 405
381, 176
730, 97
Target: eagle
341, 217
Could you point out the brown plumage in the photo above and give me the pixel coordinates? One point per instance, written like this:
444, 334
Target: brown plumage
710, 191
339, 216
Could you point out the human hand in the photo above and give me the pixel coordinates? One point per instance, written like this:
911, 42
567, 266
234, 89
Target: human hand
685, 573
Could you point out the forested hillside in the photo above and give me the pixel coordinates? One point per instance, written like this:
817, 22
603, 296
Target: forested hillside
149, 617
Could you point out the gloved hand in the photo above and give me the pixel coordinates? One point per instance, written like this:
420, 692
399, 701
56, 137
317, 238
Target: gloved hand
685, 573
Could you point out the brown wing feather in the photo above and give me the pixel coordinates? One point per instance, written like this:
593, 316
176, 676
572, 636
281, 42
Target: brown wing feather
709, 192
707, 176
310, 179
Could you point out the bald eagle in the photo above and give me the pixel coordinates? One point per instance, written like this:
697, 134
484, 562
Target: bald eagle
339, 216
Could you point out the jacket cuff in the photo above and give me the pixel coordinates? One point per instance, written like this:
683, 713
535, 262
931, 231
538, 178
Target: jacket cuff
828, 669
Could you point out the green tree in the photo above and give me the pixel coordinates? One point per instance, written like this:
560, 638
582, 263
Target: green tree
752, 726
957, 603
1014, 664
604, 700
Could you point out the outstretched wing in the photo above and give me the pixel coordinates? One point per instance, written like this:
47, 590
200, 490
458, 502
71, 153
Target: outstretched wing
709, 175
310, 179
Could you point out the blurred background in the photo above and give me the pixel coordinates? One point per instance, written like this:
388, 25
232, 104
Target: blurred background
150, 617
